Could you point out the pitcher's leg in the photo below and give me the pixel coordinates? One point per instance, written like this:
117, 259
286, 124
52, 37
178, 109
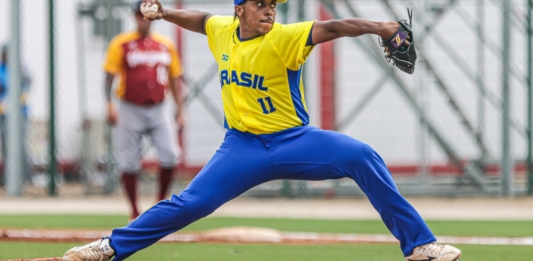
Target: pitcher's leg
397, 213
319, 155
164, 218
238, 165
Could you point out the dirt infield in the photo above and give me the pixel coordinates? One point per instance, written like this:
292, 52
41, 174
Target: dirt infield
242, 235
246, 235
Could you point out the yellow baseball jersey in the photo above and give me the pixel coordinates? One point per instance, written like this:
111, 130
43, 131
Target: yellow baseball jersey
262, 90
145, 65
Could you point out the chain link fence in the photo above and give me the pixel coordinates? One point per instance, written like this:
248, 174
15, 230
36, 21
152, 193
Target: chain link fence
439, 130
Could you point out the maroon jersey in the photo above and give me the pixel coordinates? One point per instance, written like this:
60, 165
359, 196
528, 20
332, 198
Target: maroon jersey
145, 65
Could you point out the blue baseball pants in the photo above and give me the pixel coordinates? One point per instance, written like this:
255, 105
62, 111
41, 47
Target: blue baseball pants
245, 160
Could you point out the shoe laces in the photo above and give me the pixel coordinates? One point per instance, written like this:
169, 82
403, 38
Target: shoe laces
92, 252
431, 249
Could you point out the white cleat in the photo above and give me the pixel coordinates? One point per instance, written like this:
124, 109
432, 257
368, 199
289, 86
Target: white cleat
96, 251
434, 252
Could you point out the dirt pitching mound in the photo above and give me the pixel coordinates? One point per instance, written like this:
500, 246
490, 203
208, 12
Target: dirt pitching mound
244, 235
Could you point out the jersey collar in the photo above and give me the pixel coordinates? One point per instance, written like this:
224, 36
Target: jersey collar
237, 35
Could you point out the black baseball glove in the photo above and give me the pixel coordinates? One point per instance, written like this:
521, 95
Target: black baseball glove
402, 55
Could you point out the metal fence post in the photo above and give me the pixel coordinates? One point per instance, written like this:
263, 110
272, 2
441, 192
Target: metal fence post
52, 127
14, 163
507, 166
529, 99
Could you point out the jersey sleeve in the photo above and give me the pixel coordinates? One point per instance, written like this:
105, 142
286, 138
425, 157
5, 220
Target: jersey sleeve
174, 68
113, 58
175, 65
291, 43
214, 25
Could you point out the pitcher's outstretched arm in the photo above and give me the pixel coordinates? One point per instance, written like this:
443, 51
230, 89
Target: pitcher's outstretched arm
192, 20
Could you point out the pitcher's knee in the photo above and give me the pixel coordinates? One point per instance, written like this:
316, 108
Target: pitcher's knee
194, 205
364, 153
357, 155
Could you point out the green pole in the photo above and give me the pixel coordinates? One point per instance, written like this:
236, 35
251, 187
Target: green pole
529, 100
110, 167
507, 165
52, 130
481, 70
14, 163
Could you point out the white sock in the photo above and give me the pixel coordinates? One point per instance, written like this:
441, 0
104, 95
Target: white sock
106, 248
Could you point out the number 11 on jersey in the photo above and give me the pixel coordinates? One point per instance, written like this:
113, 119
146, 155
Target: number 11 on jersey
267, 106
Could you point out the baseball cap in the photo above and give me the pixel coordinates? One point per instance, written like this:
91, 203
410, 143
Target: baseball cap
238, 2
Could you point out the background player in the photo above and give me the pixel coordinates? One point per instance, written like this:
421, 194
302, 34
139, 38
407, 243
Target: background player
147, 63
260, 65
4, 90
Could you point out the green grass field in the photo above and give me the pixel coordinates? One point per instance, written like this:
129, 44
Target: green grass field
264, 252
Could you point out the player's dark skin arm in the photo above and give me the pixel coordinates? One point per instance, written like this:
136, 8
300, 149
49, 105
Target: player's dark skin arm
191, 20
108, 86
176, 88
324, 31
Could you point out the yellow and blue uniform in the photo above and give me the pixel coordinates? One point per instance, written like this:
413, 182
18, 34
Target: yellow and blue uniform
262, 91
268, 139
